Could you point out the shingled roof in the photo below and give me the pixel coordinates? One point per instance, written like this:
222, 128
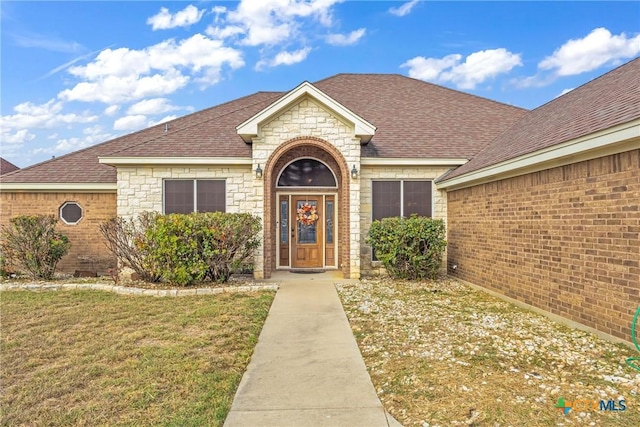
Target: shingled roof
414, 119
82, 166
609, 100
6, 166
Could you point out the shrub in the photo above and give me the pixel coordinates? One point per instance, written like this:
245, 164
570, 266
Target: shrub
127, 240
184, 249
228, 242
409, 248
31, 242
176, 248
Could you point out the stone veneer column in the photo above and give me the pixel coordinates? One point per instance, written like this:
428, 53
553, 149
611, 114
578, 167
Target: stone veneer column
309, 118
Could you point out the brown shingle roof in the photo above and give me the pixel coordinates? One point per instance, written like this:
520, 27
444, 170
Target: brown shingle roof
413, 119
609, 100
82, 166
6, 166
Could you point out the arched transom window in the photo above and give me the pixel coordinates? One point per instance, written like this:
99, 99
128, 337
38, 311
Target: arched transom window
307, 173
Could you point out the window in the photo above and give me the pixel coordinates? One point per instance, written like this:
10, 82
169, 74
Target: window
71, 213
189, 195
307, 173
401, 198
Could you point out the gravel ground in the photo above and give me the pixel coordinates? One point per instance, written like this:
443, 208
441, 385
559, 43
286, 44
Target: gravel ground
443, 354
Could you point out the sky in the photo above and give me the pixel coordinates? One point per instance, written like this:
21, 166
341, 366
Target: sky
74, 74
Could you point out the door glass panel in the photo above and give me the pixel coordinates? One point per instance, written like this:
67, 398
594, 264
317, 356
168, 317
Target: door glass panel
329, 214
284, 221
307, 220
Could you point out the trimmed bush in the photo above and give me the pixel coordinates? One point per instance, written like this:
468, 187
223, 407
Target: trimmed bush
177, 248
127, 240
32, 243
409, 248
184, 249
228, 243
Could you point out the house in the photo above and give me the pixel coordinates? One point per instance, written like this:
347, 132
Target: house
6, 166
541, 205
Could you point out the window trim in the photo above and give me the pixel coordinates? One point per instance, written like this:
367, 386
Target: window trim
195, 191
67, 203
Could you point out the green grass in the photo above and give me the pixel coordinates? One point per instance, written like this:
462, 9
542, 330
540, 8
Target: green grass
95, 358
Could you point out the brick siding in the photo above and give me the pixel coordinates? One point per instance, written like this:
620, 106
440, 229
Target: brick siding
566, 240
88, 251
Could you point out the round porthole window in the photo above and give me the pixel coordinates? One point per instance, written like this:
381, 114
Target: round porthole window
71, 213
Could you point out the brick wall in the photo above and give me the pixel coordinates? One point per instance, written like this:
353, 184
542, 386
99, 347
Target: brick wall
88, 251
566, 240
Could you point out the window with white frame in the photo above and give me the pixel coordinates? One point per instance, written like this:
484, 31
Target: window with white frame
194, 195
71, 213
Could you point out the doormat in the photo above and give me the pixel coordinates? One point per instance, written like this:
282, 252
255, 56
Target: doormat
307, 271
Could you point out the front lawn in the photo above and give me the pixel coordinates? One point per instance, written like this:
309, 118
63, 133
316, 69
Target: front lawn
96, 358
443, 354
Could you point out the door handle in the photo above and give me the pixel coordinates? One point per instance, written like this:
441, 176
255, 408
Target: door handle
293, 232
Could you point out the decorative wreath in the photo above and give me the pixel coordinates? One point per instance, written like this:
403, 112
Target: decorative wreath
307, 214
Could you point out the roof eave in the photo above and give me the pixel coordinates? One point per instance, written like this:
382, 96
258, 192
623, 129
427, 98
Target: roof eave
618, 139
59, 187
173, 161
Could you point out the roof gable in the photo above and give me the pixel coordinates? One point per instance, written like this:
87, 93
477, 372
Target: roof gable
249, 128
6, 166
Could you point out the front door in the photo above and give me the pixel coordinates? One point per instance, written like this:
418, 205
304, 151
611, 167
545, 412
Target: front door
307, 231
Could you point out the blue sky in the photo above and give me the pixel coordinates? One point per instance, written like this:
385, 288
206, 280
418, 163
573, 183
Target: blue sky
78, 73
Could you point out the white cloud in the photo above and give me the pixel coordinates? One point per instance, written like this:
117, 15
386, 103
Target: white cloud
135, 122
162, 120
403, 10
122, 75
152, 106
111, 110
430, 68
596, 49
20, 137
564, 92
285, 58
477, 68
43, 116
46, 42
224, 32
269, 22
164, 20
346, 40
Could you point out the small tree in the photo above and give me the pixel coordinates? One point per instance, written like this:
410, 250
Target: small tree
409, 248
32, 243
127, 240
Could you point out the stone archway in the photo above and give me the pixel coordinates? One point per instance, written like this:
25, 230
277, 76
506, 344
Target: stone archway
288, 151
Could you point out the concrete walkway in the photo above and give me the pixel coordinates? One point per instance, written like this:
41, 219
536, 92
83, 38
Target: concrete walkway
306, 369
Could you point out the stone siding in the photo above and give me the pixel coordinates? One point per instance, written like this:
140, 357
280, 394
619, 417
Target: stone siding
88, 251
140, 188
309, 119
391, 173
565, 240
